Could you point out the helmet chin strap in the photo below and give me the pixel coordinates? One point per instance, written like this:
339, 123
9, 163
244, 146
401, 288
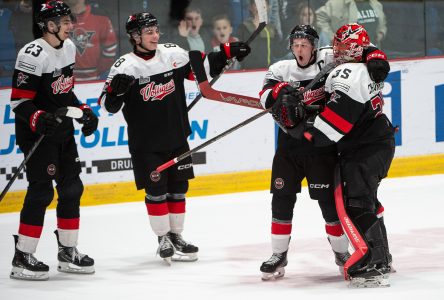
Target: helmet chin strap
56, 34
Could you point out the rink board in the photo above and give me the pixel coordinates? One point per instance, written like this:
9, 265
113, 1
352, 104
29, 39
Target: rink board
241, 161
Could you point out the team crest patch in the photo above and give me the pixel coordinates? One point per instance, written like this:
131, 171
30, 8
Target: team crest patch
155, 176
279, 183
21, 79
51, 169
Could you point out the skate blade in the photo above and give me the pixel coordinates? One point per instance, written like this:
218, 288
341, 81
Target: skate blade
374, 282
280, 272
185, 257
65, 267
167, 260
23, 274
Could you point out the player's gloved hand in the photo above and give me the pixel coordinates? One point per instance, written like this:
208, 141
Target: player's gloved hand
44, 123
295, 109
377, 65
89, 121
120, 84
282, 101
239, 50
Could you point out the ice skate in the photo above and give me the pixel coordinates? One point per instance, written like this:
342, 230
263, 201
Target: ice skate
370, 277
184, 251
340, 260
274, 267
166, 248
26, 267
72, 261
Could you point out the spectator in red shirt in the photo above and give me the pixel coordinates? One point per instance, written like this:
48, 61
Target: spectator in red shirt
95, 41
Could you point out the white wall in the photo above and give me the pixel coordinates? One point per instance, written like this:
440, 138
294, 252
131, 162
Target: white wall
414, 100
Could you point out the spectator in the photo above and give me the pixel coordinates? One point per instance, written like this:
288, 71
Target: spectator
95, 41
222, 31
189, 35
7, 51
368, 13
265, 48
21, 24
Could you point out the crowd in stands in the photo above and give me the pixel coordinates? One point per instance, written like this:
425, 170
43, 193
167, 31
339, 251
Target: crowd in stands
399, 27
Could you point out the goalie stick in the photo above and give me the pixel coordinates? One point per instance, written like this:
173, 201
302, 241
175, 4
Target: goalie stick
70, 112
351, 231
262, 11
209, 93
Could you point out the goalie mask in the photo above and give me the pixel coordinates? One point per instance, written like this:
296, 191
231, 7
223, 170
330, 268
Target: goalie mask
349, 43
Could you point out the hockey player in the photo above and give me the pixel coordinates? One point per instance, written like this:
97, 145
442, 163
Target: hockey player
43, 82
149, 83
295, 159
354, 121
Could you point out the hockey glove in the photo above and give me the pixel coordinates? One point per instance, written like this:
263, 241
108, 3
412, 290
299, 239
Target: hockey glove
239, 50
44, 123
89, 121
377, 66
295, 110
282, 93
120, 84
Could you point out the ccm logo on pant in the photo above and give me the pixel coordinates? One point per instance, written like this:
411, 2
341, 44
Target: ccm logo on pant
183, 167
319, 186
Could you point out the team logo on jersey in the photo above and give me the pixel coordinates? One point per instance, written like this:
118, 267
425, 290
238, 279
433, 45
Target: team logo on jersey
82, 39
143, 80
62, 85
57, 73
311, 96
51, 169
333, 98
153, 91
21, 79
279, 183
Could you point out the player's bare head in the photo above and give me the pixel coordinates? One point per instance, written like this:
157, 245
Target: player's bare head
53, 13
143, 30
349, 43
303, 43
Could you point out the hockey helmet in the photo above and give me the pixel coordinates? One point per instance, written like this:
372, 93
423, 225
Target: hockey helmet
349, 43
138, 21
52, 11
304, 32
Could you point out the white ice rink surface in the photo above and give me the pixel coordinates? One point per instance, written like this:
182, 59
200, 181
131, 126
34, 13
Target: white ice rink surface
233, 234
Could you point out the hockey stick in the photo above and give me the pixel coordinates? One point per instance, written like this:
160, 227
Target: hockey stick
70, 112
351, 231
237, 99
261, 7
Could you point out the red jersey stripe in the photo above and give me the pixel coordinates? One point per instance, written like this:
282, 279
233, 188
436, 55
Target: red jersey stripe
18, 94
336, 120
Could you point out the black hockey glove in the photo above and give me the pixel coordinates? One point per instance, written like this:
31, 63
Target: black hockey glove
295, 109
283, 102
377, 65
89, 121
44, 123
120, 84
239, 50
